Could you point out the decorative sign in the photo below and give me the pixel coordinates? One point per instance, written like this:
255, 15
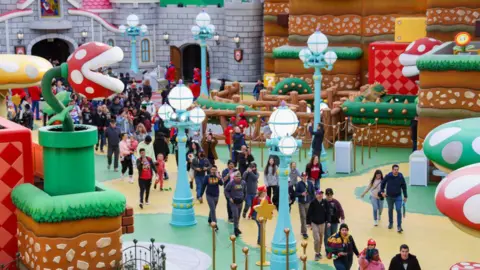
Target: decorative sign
238, 55
19, 49
269, 79
49, 8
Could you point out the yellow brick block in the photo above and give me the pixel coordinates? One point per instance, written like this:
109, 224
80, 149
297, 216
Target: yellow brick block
269, 79
408, 29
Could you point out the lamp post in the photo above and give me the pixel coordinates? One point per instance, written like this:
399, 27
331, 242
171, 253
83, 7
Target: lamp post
283, 122
316, 57
203, 31
181, 99
133, 31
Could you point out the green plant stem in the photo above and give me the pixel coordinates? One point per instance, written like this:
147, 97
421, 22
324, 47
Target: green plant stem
55, 104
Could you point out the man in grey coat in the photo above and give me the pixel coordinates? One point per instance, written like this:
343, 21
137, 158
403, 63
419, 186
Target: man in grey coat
236, 191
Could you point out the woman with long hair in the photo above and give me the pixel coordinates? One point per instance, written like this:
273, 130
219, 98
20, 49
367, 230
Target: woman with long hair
314, 170
271, 180
141, 133
192, 151
375, 198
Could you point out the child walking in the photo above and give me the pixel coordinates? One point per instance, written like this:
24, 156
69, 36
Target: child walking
160, 171
261, 195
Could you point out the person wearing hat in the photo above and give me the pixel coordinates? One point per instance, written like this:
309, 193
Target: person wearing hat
366, 255
211, 183
250, 176
337, 215
305, 192
317, 220
200, 165
371, 261
261, 195
236, 191
243, 122
341, 248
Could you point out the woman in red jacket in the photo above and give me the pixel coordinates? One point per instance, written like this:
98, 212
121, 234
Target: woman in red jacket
314, 170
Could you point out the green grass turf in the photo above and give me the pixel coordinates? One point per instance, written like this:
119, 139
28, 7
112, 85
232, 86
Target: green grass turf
200, 237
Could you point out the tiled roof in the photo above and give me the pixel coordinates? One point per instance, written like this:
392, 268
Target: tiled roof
96, 4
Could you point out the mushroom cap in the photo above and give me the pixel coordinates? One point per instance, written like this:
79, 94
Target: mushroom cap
20, 71
465, 266
82, 66
454, 145
458, 196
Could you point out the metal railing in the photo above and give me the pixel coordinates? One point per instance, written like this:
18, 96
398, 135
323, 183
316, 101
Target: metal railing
144, 257
13, 265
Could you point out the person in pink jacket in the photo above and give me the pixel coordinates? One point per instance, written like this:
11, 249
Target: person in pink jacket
371, 260
126, 157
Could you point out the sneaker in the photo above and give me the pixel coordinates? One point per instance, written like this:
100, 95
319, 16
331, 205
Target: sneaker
237, 232
147, 203
216, 228
318, 257
130, 179
115, 170
161, 189
305, 236
399, 230
108, 167
244, 215
123, 176
375, 223
141, 205
230, 220
240, 232
200, 200
390, 226
96, 148
379, 217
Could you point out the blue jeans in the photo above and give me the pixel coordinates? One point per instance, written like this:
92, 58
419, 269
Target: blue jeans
198, 185
343, 263
36, 109
248, 202
259, 230
377, 205
101, 138
317, 184
329, 231
397, 201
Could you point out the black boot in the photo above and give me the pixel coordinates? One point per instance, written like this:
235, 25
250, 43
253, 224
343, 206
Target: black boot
191, 185
237, 232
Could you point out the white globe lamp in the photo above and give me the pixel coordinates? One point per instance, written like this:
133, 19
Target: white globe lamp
195, 30
203, 19
143, 28
317, 42
197, 115
211, 28
122, 28
132, 20
173, 116
287, 145
304, 54
180, 97
165, 111
330, 57
283, 122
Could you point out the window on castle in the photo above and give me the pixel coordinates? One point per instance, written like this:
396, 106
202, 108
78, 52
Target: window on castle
145, 50
111, 43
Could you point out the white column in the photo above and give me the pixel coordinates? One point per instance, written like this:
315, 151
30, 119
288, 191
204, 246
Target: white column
7, 36
101, 33
154, 43
92, 29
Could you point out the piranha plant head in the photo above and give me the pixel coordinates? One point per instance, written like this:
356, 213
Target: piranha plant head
83, 64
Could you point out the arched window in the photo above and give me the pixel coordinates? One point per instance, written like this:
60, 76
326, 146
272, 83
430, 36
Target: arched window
110, 42
145, 50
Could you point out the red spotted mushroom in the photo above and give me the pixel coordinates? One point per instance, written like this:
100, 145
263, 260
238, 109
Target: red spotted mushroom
417, 48
458, 197
83, 64
465, 266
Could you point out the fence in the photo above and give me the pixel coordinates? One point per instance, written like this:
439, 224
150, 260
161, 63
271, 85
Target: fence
144, 257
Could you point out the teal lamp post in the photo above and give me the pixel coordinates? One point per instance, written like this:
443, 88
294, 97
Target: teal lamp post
316, 57
203, 31
133, 31
181, 99
283, 122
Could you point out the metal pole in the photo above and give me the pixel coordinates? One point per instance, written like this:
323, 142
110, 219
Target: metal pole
304, 260
354, 152
231, 145
287, 234
233, 238
7, 37
346, 128
213, 225
134, 66
376, 134
203, 47
245, 251
333, 150
92, 29
317, 78
363, 139
369, 140
261, 148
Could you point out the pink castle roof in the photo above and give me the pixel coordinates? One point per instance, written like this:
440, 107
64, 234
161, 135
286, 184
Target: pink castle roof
96, 4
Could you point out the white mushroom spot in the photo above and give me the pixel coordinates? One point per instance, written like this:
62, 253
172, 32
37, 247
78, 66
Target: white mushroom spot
80, 54
469, 94
99, 44
56, 259
443, 134
70, 255
432, 40
31, 71
452, 152
429, 95
470, 209
83, 244
421, 48
9, 67
476, 145
461, 185
76, 76
69, 57
61, 246
89, 90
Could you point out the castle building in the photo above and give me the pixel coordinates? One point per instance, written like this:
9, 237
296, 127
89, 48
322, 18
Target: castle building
55, 28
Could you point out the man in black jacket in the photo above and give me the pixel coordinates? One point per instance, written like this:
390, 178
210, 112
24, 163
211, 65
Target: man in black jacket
317, 218
317, 142
305, 192
404, 260
113, 142
395, 185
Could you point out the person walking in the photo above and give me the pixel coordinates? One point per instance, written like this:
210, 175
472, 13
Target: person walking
376, 197
271, 180
250, 176
227, 176
147, 145
294, 174
160, 171
317, 220
146, 168
200, 165
314, 170
404, 260
317, 142
126, 157
341, 248
371, 261
238, 141
35, 94
236, 191
211, 183
261, 195
113, 141
209, 144
337, 215
395, 185
305, 192
245, 158
101, 121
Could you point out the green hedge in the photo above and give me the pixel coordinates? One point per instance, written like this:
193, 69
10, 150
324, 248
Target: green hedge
343, 53
353, 108
44, 208
449, 62
381, 121
217, 105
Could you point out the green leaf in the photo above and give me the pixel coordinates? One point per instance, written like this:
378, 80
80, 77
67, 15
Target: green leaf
469, 47
60, 116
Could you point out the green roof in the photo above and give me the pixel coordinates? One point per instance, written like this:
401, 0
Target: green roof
443, 59
343, 53
44, 208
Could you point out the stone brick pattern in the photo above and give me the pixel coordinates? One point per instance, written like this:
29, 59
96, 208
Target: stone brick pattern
276, 8
453, 16
444, 98
273, 42
306, 25
127, 221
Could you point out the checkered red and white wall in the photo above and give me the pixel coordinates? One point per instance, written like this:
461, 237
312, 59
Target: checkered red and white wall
16, 167
385, 68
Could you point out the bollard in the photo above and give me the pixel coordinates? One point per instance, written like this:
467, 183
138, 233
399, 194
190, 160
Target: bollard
376, 134
346, 128
263, 257
213, 225
245, 251
333, 150
363, 139
261, 147
304, 246
369, 140
338, 130
354, 152
233, 238
303, 258
287, 234
233, 266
